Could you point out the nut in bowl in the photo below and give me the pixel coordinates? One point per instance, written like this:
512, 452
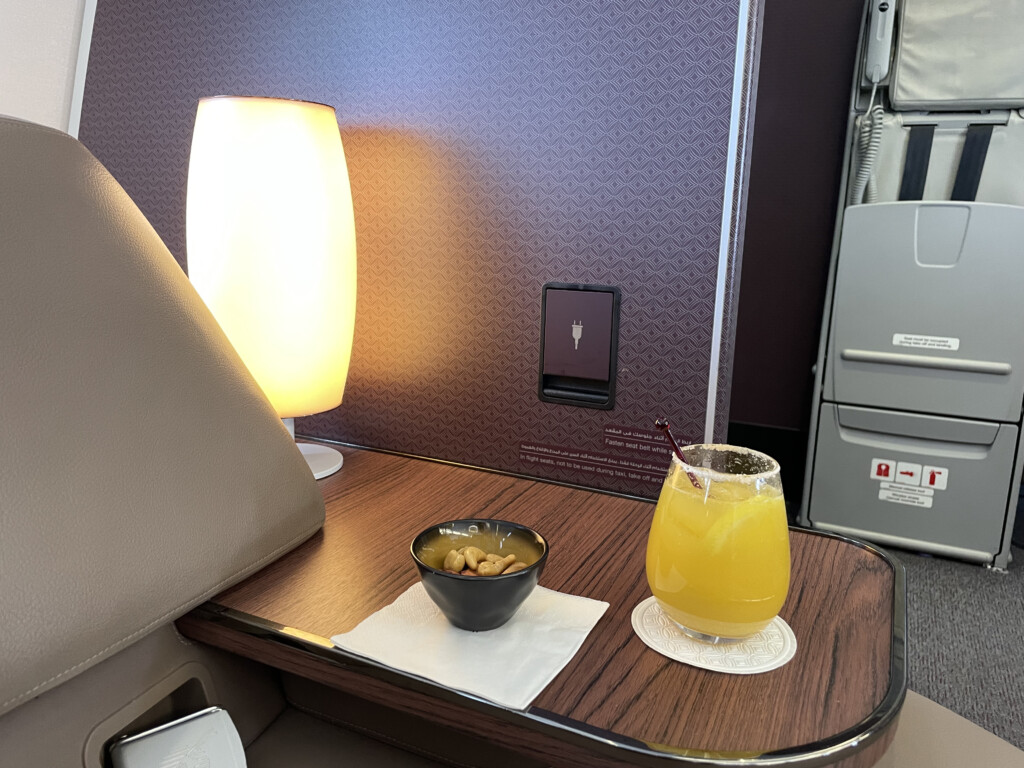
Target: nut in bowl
492, 567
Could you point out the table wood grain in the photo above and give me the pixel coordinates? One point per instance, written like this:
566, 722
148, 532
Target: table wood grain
840, 606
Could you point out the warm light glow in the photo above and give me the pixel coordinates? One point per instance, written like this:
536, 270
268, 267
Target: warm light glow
271, 243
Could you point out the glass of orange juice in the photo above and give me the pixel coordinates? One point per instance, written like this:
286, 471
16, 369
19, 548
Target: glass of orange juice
718, 551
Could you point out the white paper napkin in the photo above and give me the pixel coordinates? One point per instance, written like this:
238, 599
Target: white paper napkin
509, 665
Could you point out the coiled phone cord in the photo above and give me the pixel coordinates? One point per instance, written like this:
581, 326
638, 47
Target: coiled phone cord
869, 138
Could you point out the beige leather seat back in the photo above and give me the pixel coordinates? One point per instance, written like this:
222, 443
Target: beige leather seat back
141, 468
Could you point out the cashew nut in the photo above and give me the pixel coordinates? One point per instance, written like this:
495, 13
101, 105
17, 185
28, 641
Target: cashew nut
453, 561
473, 561
473, 556
489, 569
494, 567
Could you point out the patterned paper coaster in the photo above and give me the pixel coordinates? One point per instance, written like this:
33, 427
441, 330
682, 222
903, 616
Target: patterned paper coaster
768, 649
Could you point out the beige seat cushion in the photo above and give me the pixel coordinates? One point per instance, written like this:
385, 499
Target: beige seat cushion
930, 736
956, 55
141, 468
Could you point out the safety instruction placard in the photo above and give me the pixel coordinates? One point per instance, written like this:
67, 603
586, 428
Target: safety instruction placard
906, 482
918, 341
906, 494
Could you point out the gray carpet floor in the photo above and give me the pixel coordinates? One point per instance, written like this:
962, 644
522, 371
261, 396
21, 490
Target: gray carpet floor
966, 639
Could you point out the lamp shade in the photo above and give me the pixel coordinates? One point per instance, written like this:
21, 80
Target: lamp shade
271, 243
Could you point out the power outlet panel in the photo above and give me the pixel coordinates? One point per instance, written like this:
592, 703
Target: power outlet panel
579, 344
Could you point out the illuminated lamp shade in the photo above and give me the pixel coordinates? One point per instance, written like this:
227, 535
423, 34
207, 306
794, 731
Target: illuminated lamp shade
272, 250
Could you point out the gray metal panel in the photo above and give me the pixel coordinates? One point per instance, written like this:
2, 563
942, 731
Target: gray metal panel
960, 510
928, 313
911, 425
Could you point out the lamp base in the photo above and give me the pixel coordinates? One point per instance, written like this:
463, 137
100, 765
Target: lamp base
323, 461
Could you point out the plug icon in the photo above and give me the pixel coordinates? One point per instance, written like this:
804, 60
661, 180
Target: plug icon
577, 333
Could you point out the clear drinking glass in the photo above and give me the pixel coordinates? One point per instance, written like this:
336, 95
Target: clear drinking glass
718, 551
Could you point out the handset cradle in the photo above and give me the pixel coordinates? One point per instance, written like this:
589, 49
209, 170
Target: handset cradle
881, 22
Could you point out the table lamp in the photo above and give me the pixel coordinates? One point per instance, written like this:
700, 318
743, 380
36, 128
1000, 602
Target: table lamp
271, 248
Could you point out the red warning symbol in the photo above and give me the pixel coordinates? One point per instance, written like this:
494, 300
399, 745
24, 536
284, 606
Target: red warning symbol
935, 477
908, 473
882, 469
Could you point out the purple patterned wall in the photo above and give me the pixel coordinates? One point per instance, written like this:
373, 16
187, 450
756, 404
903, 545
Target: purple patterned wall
492, 147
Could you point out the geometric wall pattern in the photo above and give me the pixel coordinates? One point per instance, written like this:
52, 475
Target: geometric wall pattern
492, 147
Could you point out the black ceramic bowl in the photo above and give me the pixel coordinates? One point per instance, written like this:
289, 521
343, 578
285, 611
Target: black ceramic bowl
479, 603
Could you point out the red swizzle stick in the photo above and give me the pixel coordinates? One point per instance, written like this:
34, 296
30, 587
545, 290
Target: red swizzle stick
663, 425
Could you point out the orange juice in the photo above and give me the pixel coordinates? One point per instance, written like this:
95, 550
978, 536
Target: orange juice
718, 556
